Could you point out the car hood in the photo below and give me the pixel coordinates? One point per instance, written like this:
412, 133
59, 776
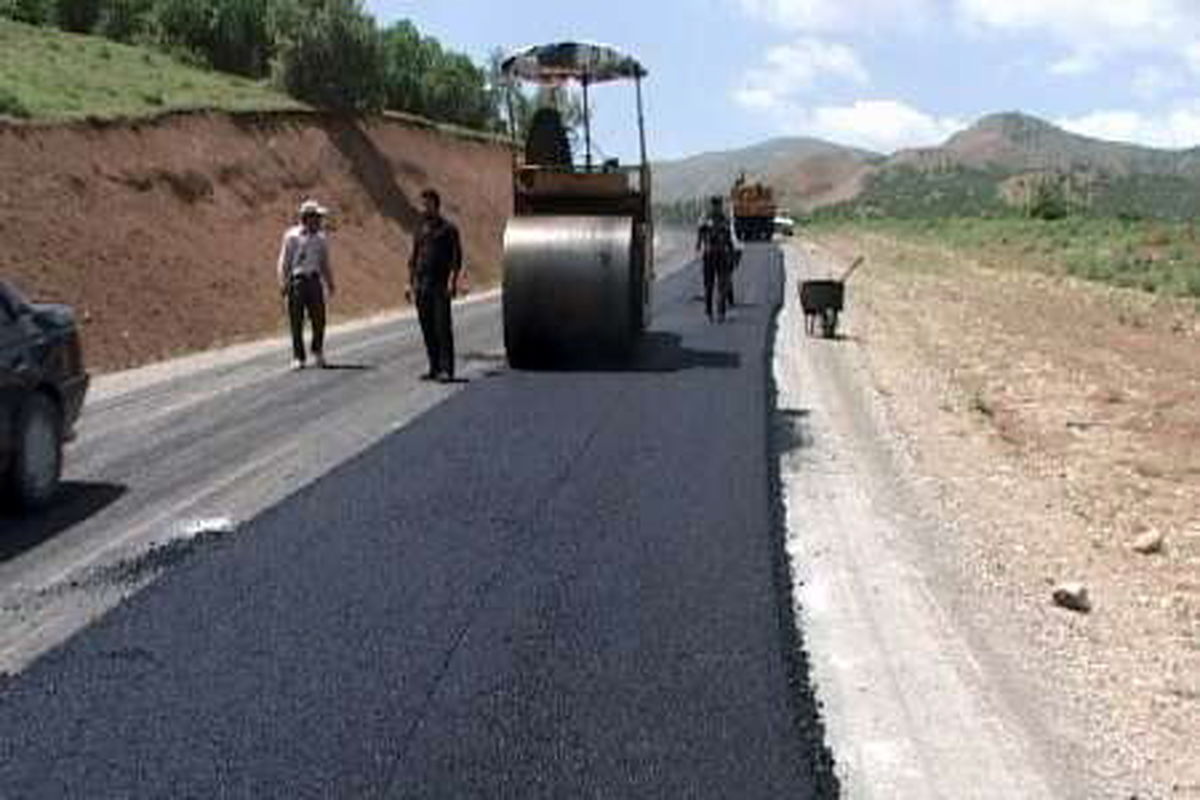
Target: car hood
53, 316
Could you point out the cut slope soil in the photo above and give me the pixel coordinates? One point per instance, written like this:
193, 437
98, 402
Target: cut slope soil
164, 233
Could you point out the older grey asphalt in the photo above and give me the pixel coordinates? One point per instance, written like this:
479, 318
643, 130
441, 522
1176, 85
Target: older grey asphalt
553, 584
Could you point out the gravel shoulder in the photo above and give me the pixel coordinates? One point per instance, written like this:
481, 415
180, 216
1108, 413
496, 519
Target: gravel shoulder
910, 698
1037, 426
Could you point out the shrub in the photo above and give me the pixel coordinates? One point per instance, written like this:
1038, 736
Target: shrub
34, 12
1049, 201
11, 105
126, 20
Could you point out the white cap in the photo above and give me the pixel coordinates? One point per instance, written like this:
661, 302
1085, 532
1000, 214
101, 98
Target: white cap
312, 207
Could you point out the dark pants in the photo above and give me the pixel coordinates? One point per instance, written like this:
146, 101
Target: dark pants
718, 272
306, 295
433, 310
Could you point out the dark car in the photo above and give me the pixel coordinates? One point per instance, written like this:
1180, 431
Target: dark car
42, 384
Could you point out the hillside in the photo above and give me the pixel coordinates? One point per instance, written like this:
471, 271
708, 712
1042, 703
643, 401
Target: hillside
809, 169
991, 168
46, 74
1021, 143
163, 232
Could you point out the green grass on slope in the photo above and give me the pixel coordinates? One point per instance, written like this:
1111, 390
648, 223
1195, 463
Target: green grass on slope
1161, 257
49, 75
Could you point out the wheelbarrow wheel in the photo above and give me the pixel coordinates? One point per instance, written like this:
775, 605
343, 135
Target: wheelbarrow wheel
829, 321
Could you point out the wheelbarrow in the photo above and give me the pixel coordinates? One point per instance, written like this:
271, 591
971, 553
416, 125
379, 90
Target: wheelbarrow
823, 300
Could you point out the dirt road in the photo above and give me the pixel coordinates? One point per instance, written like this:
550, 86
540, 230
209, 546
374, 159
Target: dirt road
979, 435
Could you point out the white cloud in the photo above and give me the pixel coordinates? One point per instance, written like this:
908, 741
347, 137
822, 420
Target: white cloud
880, 125
790, 69
1092, 30
1178, 127
1151, 82
1076, 64
1191, 54
838, 15
757, 99
883, 125
1090, 22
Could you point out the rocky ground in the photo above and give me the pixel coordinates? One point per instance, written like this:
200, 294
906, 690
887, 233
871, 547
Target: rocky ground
1054, 426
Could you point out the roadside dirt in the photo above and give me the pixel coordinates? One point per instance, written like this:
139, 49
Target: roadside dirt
1052, 423
163, 233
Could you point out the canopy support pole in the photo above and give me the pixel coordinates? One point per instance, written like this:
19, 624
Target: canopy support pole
513, 134
642, 134
587, 124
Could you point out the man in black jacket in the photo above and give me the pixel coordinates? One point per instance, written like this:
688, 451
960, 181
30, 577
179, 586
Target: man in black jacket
715, 243
433, 279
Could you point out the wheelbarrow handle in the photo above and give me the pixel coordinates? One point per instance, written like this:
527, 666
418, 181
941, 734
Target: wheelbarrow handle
855, 265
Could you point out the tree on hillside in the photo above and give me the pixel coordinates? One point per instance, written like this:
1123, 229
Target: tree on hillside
456, 90
34, 12
78, 16
408, 57
424, 78
127, 20
227, 35
1048, 199
334, 58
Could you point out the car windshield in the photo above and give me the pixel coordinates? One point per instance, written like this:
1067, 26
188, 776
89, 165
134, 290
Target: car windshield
13, 301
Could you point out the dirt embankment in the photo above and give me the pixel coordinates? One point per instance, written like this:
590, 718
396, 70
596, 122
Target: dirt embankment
163, 234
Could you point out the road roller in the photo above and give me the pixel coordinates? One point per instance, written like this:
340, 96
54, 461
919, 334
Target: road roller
578, 247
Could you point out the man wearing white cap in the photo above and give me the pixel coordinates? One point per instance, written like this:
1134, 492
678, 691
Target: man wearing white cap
305, 274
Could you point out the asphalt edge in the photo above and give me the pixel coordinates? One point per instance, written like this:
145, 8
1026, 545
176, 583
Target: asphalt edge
802, 693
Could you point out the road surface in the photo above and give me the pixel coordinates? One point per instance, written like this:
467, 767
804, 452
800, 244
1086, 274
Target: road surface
529, 585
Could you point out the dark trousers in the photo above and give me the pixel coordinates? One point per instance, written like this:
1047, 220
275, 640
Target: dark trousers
433, 310
718, 274
306, 296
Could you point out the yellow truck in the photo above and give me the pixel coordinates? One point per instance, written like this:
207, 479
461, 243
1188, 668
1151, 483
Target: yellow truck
754, 210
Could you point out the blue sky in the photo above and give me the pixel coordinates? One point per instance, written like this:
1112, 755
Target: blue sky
881, 74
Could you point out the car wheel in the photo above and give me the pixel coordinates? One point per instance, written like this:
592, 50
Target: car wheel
37, 467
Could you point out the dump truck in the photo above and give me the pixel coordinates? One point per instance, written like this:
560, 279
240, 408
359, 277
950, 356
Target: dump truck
754, 210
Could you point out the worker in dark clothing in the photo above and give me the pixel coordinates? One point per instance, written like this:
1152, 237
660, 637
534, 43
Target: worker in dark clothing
434, 270
715, 243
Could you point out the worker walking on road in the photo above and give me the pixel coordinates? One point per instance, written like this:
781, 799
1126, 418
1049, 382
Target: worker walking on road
305, 275
434, 270
715, 243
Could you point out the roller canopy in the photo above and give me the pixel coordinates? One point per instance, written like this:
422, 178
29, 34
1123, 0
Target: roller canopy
565, 61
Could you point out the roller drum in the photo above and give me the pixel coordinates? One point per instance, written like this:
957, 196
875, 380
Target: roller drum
572, 287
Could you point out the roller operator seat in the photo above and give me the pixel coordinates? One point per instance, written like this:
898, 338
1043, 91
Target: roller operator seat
546, 144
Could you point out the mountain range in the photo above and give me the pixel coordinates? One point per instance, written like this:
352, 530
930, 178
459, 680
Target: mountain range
989, 167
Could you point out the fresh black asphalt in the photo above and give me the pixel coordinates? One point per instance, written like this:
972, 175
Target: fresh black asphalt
554, 584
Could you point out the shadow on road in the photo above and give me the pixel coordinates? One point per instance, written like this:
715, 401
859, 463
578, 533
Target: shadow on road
76, 502
349, 367
657, 351
791, 430
664, 352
